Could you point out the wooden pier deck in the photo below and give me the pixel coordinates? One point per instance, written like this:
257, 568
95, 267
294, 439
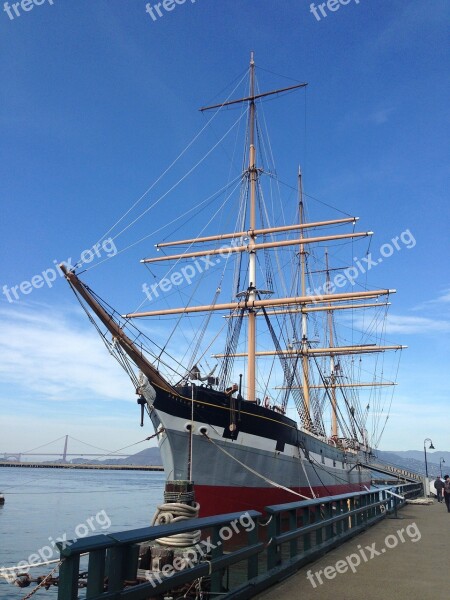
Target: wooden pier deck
417, 570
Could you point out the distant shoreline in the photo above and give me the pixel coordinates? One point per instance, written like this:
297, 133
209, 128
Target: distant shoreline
28, 465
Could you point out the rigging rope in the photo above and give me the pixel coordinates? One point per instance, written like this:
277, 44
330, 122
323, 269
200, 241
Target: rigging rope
203, 331
290, 372
234, 330
175, 185
170, 166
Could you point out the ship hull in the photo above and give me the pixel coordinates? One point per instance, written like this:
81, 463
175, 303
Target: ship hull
221, 499
242, 456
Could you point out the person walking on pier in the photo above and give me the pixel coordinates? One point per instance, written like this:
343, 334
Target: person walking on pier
439, 486
447, 492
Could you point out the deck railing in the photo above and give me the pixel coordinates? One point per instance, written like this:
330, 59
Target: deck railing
265, 549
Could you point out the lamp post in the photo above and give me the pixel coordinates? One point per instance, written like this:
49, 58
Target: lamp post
441, 461
431, 447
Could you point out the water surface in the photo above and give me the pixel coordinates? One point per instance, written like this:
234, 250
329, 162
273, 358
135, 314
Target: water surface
45, 504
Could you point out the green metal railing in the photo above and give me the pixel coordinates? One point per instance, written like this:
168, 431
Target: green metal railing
115, 556
293, 535
301, 532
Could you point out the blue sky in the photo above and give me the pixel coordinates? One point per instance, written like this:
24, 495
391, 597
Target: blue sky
97, 99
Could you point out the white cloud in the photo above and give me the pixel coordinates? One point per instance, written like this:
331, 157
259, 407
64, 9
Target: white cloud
381, 116
51, 354
376, 115
443, 298
407, 18
421, 325
405, 324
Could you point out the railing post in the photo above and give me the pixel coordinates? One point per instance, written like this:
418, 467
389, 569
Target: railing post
293, 525
346, 524
96, 573
115, 562
340, 511
318, 517
252, 563
360, 515
68, 578
353, 517
306, 518
273, 552
371, 510
395, 507
130, 563
217, 576
330, 513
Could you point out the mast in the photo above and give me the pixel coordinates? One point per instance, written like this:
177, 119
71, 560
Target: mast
305, 362
253, 174
251, 248
334, 427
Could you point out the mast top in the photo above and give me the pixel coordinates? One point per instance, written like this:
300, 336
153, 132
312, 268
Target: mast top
253, 96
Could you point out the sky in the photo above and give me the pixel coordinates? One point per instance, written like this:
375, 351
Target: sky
97, 101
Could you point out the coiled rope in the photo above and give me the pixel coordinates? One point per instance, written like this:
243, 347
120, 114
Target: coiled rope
174, 512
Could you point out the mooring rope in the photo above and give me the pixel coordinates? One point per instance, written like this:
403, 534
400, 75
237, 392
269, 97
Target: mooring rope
306, 474
43, 582
266, 479
26, 566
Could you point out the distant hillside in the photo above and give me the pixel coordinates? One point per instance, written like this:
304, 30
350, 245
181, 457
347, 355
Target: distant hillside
414, 460
432, 456
149, 456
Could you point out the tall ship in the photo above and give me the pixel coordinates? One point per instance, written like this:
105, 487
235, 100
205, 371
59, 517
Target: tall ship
259, 352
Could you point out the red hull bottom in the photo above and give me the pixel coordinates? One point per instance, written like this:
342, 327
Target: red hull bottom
216, 500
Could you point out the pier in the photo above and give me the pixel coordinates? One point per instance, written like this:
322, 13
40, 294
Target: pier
30, 465
409, 569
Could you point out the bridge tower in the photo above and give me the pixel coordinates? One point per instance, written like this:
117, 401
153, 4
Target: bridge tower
65, 449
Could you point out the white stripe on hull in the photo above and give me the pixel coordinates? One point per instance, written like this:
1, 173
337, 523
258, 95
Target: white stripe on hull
211, 467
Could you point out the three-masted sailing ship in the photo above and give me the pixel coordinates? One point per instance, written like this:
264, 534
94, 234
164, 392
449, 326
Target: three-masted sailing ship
285, 415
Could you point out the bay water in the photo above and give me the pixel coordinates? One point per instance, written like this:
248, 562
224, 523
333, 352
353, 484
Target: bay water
46, 505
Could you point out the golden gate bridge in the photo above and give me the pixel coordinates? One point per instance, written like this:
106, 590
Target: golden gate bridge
17, 456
